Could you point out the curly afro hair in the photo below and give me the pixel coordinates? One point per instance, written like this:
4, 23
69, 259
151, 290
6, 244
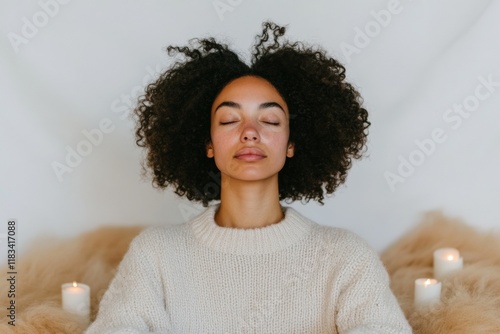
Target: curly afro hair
328, 124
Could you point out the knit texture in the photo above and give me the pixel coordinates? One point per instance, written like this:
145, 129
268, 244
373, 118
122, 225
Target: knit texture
295, 276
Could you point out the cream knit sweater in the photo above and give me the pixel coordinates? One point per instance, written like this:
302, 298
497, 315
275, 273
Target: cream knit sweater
291, 277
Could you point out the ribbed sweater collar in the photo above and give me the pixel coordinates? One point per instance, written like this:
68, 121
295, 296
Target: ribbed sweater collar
253, 241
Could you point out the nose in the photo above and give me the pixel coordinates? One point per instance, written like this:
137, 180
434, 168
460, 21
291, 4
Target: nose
250, 134
254, 138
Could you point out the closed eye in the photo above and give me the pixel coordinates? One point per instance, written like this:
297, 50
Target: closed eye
225, 123
272, 123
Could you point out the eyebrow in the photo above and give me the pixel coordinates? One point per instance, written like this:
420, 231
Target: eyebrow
238, 106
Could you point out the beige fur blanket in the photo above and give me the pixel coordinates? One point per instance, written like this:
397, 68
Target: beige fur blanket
91, 258
470, 300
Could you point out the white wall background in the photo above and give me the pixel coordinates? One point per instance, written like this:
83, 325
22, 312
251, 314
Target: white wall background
69, 66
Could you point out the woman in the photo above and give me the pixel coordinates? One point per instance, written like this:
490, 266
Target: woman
284, 128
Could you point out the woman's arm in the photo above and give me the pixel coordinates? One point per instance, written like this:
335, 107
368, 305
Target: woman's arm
134, 302
366, 303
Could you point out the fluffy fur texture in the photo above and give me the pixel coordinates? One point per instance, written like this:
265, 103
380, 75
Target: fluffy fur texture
470, 299
90, 258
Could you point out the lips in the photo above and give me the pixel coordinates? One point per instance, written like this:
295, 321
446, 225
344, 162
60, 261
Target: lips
250, 154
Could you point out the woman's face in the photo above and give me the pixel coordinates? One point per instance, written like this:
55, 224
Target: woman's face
249, 130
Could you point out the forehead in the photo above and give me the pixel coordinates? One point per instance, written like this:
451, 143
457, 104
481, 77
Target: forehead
248, 89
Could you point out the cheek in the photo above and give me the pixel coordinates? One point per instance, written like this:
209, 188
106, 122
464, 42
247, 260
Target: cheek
220, 141
278, 138
222, 144
279, 144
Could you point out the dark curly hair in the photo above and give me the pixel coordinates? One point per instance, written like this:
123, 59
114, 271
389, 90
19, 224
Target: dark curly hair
328, 124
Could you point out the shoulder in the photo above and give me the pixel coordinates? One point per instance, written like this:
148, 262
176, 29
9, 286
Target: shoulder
340, 245
334, 236
154, 237
169, 235
343, 238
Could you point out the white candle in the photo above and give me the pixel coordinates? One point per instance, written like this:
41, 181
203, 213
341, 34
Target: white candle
446, 261
76, 299
427, 292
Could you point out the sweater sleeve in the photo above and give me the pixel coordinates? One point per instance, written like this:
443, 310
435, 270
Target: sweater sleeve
366, 304
134, 302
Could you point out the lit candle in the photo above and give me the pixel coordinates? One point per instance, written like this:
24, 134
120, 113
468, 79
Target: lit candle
427, 292
446, 261
76, 299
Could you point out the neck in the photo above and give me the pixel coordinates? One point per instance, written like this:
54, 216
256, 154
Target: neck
247, 204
